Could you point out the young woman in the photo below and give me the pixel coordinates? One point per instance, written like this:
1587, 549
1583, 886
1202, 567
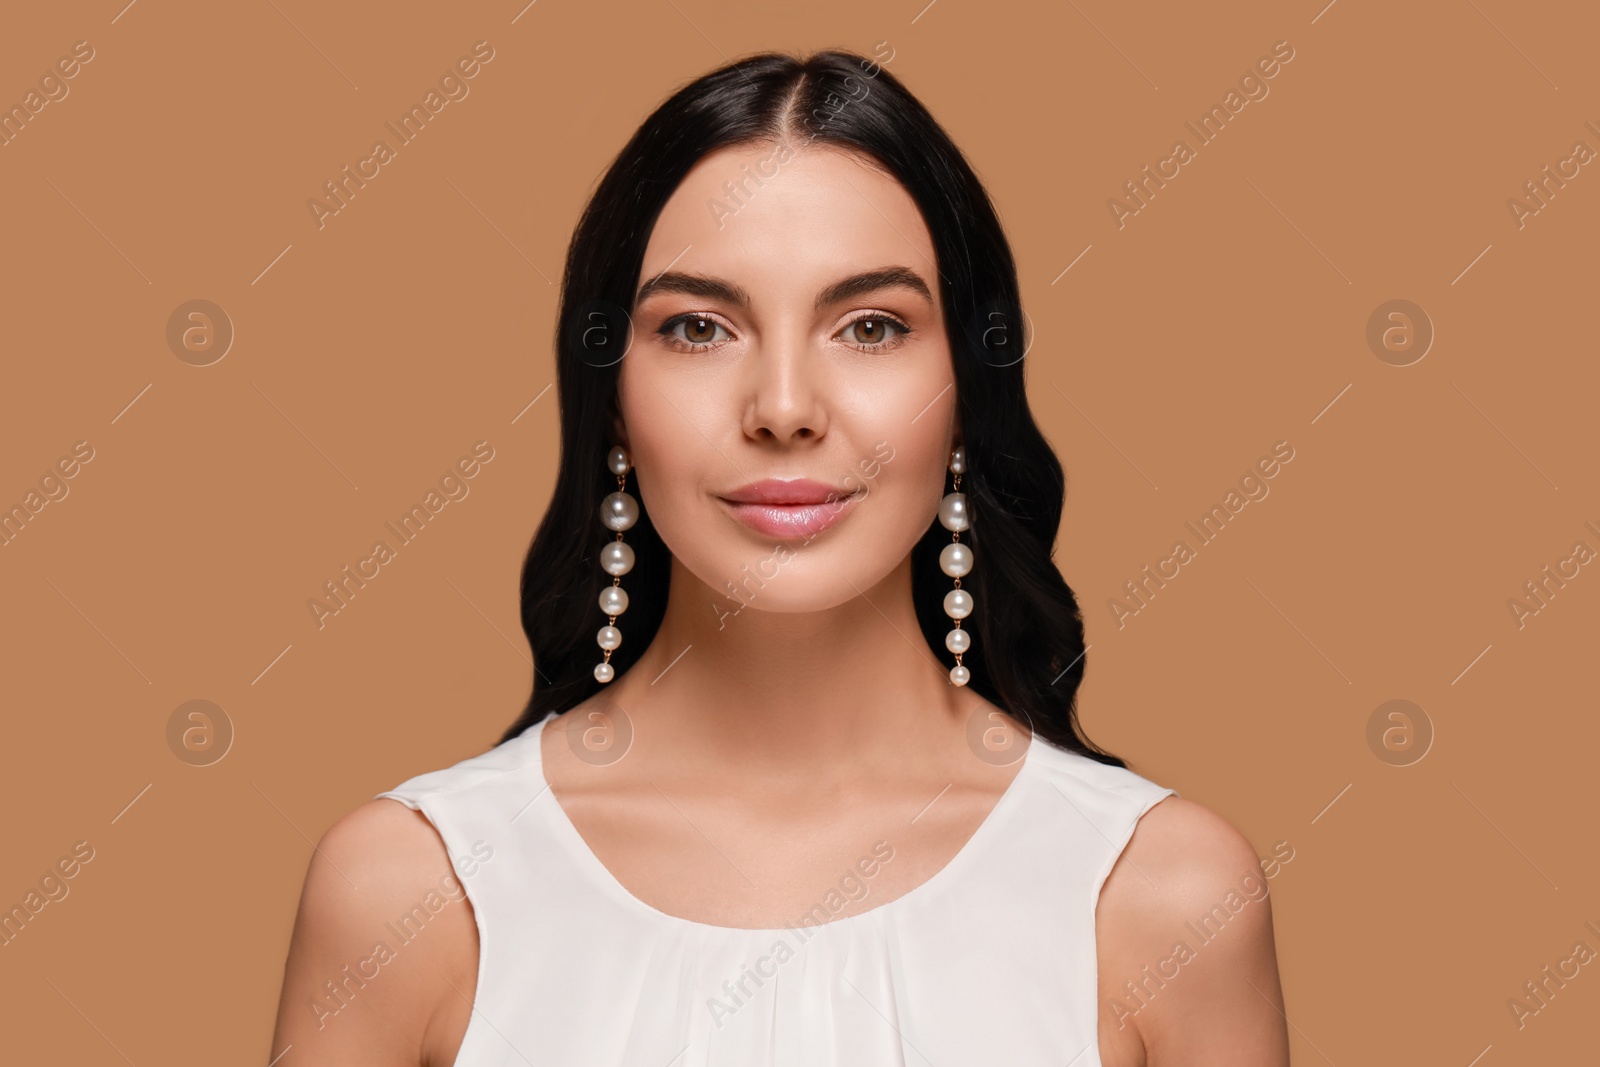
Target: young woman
801, 780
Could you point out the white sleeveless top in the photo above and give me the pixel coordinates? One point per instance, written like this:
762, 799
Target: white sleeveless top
991, 960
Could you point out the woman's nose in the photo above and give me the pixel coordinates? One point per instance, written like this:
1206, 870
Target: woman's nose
786, 379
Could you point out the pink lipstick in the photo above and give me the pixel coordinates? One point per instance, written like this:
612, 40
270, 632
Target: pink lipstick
789, 509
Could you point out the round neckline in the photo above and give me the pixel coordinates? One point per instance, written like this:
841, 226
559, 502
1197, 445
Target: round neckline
587, 858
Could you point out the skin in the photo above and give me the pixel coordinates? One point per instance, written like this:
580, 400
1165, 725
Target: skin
776, 738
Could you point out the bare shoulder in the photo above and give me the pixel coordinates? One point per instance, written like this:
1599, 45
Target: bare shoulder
1189, 841
1187, 962
383, 960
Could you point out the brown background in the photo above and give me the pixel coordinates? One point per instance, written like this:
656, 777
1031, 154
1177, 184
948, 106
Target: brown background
1229, 314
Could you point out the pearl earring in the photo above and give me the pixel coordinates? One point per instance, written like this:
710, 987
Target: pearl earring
955, 559
618, 512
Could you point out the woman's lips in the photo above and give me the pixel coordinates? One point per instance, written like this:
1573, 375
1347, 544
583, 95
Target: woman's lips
785, 521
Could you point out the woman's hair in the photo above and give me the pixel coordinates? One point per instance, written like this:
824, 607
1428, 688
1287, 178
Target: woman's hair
1027, 653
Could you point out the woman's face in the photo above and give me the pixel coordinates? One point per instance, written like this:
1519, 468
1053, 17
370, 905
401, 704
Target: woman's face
788, 327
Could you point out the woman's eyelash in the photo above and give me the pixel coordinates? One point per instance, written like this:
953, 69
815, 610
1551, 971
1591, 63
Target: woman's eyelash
878, 316
669, 330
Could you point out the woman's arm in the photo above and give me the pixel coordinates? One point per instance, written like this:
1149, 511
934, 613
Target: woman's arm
1188, 969
375, 977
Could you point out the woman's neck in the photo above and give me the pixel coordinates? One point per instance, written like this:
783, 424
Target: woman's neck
854, 686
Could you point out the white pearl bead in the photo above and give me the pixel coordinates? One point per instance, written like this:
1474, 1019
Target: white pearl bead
960, 675
958, 460
618, 461
955, 559
617, 559
619, 511
610, 637
953, 511
958, 603
604, 672
958, 640
614, 601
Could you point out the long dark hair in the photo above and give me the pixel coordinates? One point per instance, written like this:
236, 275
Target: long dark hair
1027, 654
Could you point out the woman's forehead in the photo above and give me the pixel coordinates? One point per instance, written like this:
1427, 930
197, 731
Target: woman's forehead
794, 220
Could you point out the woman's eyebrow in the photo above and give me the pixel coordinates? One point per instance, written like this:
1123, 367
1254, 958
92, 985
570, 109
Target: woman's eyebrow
869, 281
674, 281
677, 281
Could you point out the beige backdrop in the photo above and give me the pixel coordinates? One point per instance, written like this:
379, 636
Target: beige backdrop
1440, 859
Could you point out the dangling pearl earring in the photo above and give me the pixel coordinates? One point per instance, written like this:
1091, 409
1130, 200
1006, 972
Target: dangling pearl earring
618, 512
955, 559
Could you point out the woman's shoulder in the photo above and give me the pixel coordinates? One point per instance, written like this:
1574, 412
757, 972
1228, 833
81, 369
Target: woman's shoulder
1188, 886
389, 842
1163, 831
405, 860
1190, 854
375, 861
379, 864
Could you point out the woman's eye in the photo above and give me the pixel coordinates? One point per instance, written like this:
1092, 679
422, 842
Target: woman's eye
875, 331
692, 331
695, 330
